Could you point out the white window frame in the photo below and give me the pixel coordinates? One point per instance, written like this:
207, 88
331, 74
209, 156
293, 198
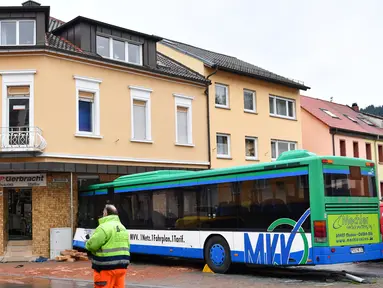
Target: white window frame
126, 49
185, 102
227, 96
222, 156
18, 31
255, 139
276, 147
275, 107
141, 94
14, 78
90, 85
254, 101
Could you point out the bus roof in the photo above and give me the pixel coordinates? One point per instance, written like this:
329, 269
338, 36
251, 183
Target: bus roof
289, 159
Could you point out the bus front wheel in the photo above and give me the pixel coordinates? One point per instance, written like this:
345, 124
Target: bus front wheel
217, 254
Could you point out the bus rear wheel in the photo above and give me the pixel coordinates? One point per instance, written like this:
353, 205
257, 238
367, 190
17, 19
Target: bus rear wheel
217, 255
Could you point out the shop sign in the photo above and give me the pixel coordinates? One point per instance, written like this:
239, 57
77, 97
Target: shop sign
23, 180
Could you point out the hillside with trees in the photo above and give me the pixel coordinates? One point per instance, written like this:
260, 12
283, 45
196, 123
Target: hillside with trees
375, 110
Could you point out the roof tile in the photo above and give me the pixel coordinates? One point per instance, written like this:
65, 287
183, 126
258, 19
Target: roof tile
232, 63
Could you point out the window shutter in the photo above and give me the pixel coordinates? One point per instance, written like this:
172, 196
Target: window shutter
18, 91
182, 125
139, 119
86, 95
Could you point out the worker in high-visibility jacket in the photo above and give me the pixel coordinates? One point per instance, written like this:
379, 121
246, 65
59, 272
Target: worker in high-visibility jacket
109, 247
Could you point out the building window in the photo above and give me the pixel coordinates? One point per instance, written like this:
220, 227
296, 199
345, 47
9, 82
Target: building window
18, 32
86, 111
251, 146
88, 108
183, 106
119, 50
278, 147
221, 96
282, 107
356, 149
249, 101
380, 153
139, 119
223, 146
18, 109
381, 188
343, 151
134, 53
103, 46
140, 114
368, 151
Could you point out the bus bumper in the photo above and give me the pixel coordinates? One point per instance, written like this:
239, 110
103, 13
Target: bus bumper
334, 255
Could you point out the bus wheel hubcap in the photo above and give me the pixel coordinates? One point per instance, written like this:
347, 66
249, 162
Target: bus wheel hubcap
217, 254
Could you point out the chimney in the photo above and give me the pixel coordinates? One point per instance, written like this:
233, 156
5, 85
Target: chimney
355, 107
31, 3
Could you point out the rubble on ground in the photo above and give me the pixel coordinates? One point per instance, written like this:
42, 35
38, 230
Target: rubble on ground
71, 256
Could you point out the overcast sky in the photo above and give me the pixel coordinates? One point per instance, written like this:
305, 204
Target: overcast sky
335, 47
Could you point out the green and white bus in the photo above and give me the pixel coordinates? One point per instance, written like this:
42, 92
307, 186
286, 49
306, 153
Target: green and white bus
302, 209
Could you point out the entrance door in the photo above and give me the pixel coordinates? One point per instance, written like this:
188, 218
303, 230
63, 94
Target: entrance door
20, 213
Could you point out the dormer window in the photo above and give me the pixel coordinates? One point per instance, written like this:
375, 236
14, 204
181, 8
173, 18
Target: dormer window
119, 50
17, 32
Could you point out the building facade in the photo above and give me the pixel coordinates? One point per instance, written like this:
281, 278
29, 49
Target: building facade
84, 102
254, 115
333, 129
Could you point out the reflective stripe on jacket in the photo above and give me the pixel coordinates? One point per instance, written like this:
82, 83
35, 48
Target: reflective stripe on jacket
109, 245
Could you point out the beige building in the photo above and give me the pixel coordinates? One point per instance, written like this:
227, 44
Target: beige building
254, 114
84, 102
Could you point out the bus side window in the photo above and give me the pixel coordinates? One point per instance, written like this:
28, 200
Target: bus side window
265, 200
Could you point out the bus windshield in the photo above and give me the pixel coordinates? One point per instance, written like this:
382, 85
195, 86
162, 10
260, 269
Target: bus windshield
350, 182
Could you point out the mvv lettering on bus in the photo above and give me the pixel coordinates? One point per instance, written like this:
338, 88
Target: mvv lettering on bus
157, 238
265, 249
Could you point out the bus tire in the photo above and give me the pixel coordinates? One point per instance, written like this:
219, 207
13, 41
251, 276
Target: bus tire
217, 255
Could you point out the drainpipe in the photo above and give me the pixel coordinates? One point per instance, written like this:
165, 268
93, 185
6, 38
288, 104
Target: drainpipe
71, 205
208, 113
333, 141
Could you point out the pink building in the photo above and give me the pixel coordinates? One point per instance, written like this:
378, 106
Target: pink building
329, 128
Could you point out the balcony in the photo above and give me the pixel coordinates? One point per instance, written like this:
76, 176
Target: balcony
22, 139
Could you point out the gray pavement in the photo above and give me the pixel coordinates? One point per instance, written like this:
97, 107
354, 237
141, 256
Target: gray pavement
320, 276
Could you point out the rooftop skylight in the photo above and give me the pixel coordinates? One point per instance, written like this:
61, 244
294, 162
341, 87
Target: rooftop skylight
368, 122
352, 119
329, 113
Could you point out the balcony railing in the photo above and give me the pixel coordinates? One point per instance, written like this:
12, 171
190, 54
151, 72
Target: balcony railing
14, 139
